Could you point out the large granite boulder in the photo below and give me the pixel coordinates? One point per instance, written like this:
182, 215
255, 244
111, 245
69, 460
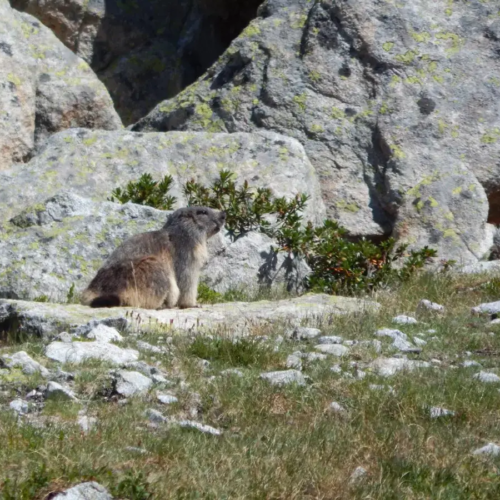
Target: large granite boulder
144, 51
53, 250
93, 163
396, 103
44, 88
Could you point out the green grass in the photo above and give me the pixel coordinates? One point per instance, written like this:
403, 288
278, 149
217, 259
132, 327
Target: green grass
282, 443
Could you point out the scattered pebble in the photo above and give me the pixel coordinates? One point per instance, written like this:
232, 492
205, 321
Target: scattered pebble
78, 352
437, 412
378, 387
21, 360
144, 346
387, 367
302, 333
487, 308
167, 399
314, 356
232, 371
390, 332
284, 377
470, 362
206, 429
86, 423
19, 406
129, 383
490, 449
333, 349
336, 369
155, 416
420, 342
404, 320
332, 339
358, 474
103, 333
336, 407
294, 361
403, 345
487, 377
427, 305
58, 391
84, 491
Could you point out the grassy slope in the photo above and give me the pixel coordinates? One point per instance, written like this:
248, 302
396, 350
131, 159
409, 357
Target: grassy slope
283, 442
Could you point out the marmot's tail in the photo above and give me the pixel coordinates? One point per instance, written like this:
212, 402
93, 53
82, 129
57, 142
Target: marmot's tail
106, 301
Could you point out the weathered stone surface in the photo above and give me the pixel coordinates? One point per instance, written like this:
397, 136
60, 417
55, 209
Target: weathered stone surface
144, 51
128, 383
387, 367
21, 360
487, 308
59, 246
45, 88
395, 104
284, 377
85, 491
50, 318
78, 352
58, 391
93, 163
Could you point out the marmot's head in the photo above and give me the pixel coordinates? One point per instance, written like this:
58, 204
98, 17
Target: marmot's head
196, 221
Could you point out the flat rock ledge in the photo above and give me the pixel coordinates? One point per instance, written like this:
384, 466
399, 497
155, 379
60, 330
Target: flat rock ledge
44, 319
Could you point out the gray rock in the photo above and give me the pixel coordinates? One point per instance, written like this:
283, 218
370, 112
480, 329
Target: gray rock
427, 305
85, 491
336, 369
91, 164
314, 356
160, 379
378, 387
483, 267
41, 318
21, 360
437, 412
393, 334
420, 342
64, 337
45, 88
471, 363
103, 333
404, 320
19, 406
206, 429
405, 346
57, 391
487, 377
86, 423
294, 361
387, 367
232, 372
487, 308
336, 407
78, 352
144, 346
358, 475
129, 383
332, 339
302, 333
490, 449
394, 110
167, 399
285, 377
333, 349
156, 417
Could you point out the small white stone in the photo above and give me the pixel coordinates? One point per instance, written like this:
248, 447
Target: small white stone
425, 304
391, 333
130, 383
19, 406
387, 367
404, 346
470, 362
420, 342
206, 429
302, 333
103, 333
232, 371
333, 349
167, 399
294, 361
331, 339
358, 474
155, 416
284, 377
144, 346
491, 449
21, 360
436, 412
487, 377
336, 407
336, 369
402, 319
86, 423
431, 330
55, 390
314, 356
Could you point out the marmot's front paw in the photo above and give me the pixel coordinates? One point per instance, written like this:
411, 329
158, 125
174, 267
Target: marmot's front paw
194, 306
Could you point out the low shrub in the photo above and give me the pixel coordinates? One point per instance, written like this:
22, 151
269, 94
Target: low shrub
338, 263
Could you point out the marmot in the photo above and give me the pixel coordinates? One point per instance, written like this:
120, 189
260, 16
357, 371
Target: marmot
159, 268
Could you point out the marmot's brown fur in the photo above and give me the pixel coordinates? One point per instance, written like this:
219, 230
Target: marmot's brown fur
160, 268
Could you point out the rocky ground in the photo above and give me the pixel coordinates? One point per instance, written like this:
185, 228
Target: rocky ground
394, 397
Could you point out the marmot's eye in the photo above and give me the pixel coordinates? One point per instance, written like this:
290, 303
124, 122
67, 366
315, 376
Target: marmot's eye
202, 212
